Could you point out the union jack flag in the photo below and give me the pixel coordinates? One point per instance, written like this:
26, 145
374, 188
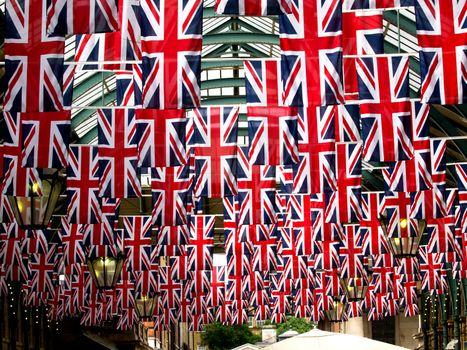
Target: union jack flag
201, 244
344, 205
172, 235
328, 256
315, 172
256, 192
45, 139
265, 256
171, 40
215, 148
351, 253
72, 237
430, 269
414, 174
128, 88
170, 187
319, 22
272, 128
170, 289
118, 153
383, 84
373, 239
347, 123
252, 7
122, 45
178, 267
66, 17
362, 34
441, 233
138, 242
83, 185
42, 267
376, 4
146, 281
18, 180
216, 295
161, 137
442, 36
33, 60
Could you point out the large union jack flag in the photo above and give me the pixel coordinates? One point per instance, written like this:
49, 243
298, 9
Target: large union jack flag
311, 43
272, 128
170, 187
344, 205
383, 84
161, 137
171, 44
66, 17
215, 149
83, 185
442, 36
362, 34
201, 243
315, 172
122, 45
118, 153
256, 192
33, 60
252, 7
45, 139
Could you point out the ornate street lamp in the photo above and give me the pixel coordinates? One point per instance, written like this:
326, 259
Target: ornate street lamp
355, 287
336, 312
105, 271
34, 212
405, 245
145, 305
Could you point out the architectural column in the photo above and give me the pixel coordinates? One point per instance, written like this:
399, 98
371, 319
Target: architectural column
355, 326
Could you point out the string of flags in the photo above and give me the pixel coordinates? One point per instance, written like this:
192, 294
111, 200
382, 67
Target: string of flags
295, 221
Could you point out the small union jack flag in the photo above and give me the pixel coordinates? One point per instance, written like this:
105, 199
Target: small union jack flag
45, 139
315, 172
170, 187
256, 192
383, 84
83, 185
201, 243
137, 242
344, 205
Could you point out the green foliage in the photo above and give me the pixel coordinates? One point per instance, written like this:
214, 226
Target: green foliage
220, 337
300, 325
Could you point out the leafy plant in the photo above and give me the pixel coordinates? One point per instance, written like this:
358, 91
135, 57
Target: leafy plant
220, 337
299, 325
